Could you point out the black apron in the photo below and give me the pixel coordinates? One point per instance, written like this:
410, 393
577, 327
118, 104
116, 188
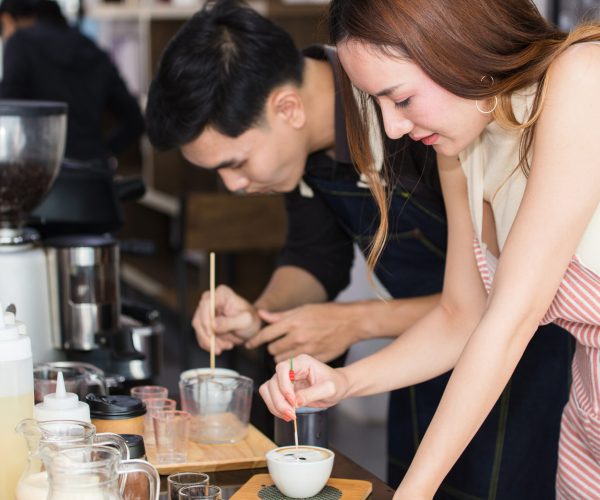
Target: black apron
514, 454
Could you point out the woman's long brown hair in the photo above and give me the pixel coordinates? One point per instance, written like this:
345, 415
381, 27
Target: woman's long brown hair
456, 43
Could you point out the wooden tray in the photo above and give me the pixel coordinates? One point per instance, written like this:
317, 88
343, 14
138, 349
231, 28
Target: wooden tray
246, 454
352, 489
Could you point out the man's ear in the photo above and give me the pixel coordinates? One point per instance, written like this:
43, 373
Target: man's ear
286, 104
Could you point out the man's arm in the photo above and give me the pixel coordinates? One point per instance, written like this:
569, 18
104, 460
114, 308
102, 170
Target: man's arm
326, 331
124, 106
16, 74
290, 287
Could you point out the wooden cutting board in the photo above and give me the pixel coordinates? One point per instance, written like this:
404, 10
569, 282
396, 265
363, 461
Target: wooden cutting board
246, 454
352, 489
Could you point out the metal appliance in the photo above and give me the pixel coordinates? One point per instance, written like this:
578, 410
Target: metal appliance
58, 261
88, 290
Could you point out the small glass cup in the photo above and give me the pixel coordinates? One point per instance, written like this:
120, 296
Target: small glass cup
171, 434
183, 479
200, 493
154, 405
143, 392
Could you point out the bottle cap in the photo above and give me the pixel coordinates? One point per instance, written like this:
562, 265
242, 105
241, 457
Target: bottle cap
61, 405
135, 443
116, 407
13, 345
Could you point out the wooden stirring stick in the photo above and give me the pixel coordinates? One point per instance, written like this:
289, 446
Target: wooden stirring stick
213, 313
293, 379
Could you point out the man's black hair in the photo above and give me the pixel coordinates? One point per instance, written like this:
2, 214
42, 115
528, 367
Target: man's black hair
46, 10
19, 8
218, 71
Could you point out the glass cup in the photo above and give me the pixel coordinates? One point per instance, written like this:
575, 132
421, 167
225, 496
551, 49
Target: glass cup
200, 493
183, 479
143, 392
154, 405
79, 379
194, 372
171, 435
219, 406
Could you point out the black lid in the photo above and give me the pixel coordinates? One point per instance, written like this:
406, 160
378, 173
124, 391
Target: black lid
135, 443
79, 241
114, 407
31, 108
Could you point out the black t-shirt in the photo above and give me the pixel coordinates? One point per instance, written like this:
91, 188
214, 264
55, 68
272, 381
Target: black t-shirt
317, 241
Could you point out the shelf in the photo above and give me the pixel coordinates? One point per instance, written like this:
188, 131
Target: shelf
161, 202
159, 11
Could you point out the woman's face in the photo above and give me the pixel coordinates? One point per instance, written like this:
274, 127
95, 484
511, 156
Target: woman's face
411, 103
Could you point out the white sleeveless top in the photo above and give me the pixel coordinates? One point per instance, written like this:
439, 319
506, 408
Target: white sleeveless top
490, 164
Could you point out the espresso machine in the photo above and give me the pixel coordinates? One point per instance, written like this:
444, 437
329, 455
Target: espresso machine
59, 262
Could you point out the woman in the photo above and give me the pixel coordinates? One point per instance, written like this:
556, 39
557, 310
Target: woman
510, 105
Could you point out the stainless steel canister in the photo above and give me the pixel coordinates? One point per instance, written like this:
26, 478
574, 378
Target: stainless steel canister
89, 294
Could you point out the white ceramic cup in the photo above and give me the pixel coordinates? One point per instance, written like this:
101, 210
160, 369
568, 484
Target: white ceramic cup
206, 371
300, 472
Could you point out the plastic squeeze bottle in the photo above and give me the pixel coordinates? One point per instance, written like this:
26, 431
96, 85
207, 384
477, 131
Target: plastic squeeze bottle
61, 405
16, 401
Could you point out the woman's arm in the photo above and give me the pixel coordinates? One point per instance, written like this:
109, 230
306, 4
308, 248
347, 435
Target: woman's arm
434, 344
431, 347
562, 193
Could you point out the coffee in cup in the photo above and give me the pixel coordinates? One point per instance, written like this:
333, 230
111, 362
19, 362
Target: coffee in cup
300, 472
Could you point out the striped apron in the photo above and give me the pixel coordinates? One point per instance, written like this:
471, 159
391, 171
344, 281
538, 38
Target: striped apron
576, 308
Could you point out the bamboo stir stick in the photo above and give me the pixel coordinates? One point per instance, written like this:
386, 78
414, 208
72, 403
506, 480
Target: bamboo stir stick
212, 310
293, 377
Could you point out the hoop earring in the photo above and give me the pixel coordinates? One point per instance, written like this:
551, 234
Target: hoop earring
490, 111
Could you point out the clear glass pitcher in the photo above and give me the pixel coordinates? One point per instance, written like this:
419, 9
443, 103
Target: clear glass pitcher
92, 473
56, 435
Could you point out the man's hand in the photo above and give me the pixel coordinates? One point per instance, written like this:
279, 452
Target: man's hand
236, 320
324, 331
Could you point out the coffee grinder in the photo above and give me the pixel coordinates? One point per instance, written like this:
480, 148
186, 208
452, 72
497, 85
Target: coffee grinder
59, 263
32, 142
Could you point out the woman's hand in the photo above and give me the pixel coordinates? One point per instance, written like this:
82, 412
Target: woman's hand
316, 385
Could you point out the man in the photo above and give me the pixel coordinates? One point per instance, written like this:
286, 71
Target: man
45, 59
236, 96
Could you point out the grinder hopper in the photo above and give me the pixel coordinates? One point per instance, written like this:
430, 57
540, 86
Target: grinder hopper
32, 143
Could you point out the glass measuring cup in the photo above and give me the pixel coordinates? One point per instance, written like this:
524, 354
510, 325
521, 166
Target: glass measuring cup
92, 473
56, 435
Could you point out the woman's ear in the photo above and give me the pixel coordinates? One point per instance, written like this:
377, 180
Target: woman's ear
286, 104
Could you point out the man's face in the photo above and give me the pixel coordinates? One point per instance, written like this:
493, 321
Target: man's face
267, 158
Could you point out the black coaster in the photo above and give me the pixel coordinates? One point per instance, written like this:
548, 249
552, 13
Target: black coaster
272, 493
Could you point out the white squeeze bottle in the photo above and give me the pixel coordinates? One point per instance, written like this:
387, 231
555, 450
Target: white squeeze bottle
16, 402
61, 405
